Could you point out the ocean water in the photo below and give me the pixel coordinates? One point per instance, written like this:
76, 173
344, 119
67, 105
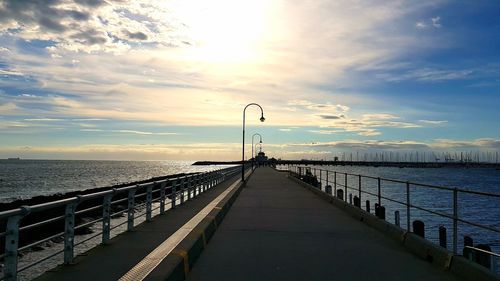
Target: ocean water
484, 210
22, 179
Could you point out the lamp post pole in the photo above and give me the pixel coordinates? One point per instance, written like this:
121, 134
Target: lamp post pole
262, 119
253, 155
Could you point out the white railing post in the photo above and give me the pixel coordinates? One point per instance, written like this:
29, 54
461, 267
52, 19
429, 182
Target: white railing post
181, 188
11, 248
69, 232
189, 187
173, 193
198, 183
106, 218
131, 209
149, 202
162, 197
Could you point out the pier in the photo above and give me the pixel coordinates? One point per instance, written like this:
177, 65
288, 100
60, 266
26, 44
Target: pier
273, 226
397, 164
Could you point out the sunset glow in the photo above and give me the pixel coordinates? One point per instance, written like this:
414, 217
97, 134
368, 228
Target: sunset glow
157, 78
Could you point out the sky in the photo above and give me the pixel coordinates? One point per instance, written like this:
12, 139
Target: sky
168, 80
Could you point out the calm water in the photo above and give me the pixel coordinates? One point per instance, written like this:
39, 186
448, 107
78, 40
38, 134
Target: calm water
22, 179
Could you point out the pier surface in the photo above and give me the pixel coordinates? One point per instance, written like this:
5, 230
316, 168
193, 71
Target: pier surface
278, 230
275, 230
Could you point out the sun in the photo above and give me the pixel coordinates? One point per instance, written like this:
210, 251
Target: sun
223, 31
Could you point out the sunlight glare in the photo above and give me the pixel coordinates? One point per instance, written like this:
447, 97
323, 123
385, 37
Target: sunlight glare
223, 31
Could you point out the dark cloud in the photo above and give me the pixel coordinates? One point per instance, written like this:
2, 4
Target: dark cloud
91, 3
331, 117
90, 37
77, 26
51, 24
136, 35
40, 12
79, 16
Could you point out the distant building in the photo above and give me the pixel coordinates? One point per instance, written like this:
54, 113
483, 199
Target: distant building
261, 158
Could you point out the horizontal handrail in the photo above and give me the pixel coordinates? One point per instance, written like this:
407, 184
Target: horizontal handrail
483, 251
411, 183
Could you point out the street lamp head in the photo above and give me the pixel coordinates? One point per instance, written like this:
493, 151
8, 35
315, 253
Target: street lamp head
260, 141
262, 119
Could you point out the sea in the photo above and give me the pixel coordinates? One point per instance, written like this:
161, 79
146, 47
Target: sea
23, 179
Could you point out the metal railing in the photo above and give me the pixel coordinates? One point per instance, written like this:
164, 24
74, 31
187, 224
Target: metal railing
339, 181
152, 196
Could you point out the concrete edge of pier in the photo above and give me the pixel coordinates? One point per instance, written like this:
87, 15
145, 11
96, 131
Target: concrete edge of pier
179, 262
424, 249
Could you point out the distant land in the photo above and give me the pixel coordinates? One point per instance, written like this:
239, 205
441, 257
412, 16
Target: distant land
366, 163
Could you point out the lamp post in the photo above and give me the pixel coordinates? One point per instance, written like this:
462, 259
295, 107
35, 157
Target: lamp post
253, 155
262, 119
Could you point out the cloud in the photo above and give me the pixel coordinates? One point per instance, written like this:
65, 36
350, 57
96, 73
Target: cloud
367, 124
43, 119
89, 26
420, 25
367, 144
127, 60
136, 35
435, 22
10, 72
378, 116
142, 132
331, 117
326, 132
429, 74
319, 106
134, 132
433, 122
487, 143
232, 151
369, 132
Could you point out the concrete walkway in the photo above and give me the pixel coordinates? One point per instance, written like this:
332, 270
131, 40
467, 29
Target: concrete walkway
278, 230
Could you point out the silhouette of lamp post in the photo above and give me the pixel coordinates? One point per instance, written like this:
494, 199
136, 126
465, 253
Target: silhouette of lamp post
253, 155
262, 119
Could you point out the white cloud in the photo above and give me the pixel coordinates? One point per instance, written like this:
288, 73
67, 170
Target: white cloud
142, 132
10, 72
133, 132
319, 106
232, 151
420, 25
211, 72
326, 132
433, 122
429, 74
435, 22
43, 119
